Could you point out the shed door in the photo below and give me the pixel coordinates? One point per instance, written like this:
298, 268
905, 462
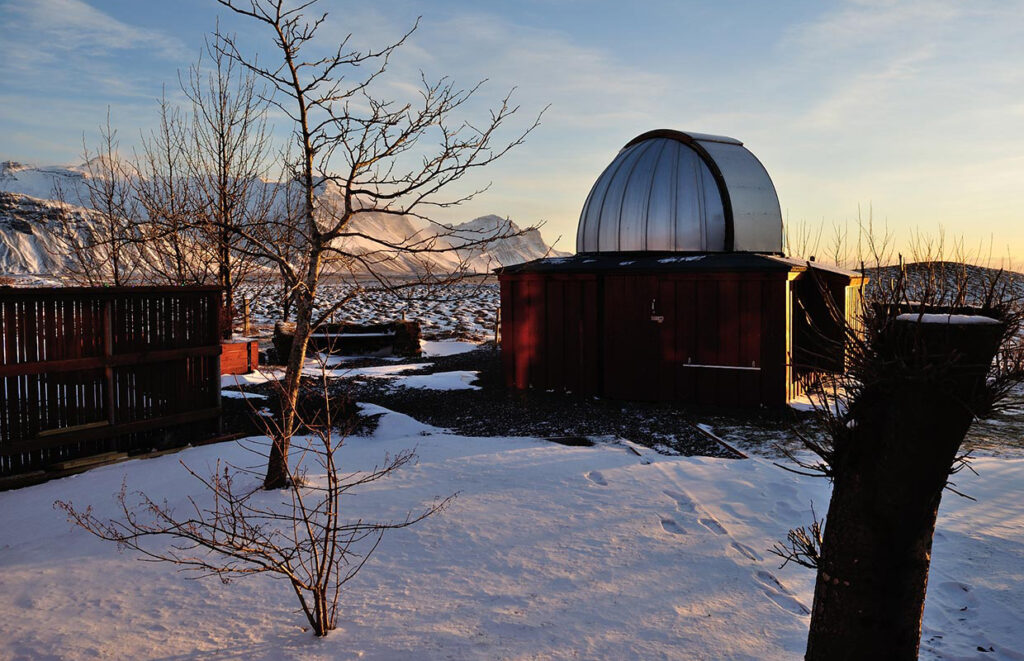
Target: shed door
632, 338
684, 339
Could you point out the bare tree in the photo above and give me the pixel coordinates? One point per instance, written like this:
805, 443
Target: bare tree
177, 251
370, 151
231, 530
875, 244
801, 239
104, 250
228, 161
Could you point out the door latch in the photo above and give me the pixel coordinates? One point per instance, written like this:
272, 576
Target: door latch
655, 317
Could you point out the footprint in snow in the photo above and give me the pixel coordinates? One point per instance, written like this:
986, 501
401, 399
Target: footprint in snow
747, 551
784, 509
683, 502
786, 602
779, 594
670, 525
597, 478
767, 578
957, 596
713, 525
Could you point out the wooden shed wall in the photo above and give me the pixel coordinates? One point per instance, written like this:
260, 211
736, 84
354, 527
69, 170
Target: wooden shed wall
548, 338
721, 339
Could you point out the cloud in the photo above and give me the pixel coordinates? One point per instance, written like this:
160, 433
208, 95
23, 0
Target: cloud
598, 99
68, 49
75, 26
585, 85
875, 61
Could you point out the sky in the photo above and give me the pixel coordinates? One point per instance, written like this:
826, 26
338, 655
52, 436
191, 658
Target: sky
911, 109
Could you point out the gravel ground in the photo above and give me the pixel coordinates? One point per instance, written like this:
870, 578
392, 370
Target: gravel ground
494, 410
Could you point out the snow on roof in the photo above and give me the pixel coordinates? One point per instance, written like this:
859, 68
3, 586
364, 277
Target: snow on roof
644, 261
952, 319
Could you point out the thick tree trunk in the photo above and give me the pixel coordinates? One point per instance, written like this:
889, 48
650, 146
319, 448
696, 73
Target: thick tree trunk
889, 474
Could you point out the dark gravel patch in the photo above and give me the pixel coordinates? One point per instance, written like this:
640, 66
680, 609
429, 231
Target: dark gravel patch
573, 420
493, 410
569, 419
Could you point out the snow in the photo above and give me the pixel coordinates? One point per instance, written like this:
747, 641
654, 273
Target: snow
687, 258
237, 394
549, 552
524, 247
382, 371
454, 248
457, 380
954, 319
261, 375
837, 402
40, 182
333, 361
400, 375
351, 335
466, 310
432, 348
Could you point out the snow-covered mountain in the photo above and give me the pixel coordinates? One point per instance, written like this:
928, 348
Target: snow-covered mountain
28, 240
38, 182
29, 212
518, 246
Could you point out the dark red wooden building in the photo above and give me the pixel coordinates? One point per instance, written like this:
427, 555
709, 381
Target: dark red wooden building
678, 291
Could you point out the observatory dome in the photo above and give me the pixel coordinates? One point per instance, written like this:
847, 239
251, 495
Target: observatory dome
682, 192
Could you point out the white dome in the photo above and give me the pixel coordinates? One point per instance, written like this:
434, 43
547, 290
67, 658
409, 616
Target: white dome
682, 192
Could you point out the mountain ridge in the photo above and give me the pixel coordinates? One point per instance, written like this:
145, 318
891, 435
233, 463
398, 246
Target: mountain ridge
29, 244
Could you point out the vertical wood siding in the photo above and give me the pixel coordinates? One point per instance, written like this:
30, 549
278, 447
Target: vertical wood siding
721, 340
91, 370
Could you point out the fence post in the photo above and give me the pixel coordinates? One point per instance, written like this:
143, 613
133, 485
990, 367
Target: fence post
108, 353
217, 301
245, 316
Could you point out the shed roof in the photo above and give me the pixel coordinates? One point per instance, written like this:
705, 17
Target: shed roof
666, 261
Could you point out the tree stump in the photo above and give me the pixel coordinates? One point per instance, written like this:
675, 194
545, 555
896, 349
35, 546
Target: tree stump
889, 471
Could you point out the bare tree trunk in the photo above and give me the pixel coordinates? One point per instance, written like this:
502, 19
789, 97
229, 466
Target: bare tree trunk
278, 475
225, 281
889, 475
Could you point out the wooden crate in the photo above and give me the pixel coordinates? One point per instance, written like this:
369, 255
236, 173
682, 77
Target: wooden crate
240, 357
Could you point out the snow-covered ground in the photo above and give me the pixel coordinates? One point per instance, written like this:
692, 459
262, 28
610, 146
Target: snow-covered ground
549, 552
262, 375
446, 347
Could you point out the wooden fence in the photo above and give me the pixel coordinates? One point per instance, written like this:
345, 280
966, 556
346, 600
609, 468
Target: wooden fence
88, 370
